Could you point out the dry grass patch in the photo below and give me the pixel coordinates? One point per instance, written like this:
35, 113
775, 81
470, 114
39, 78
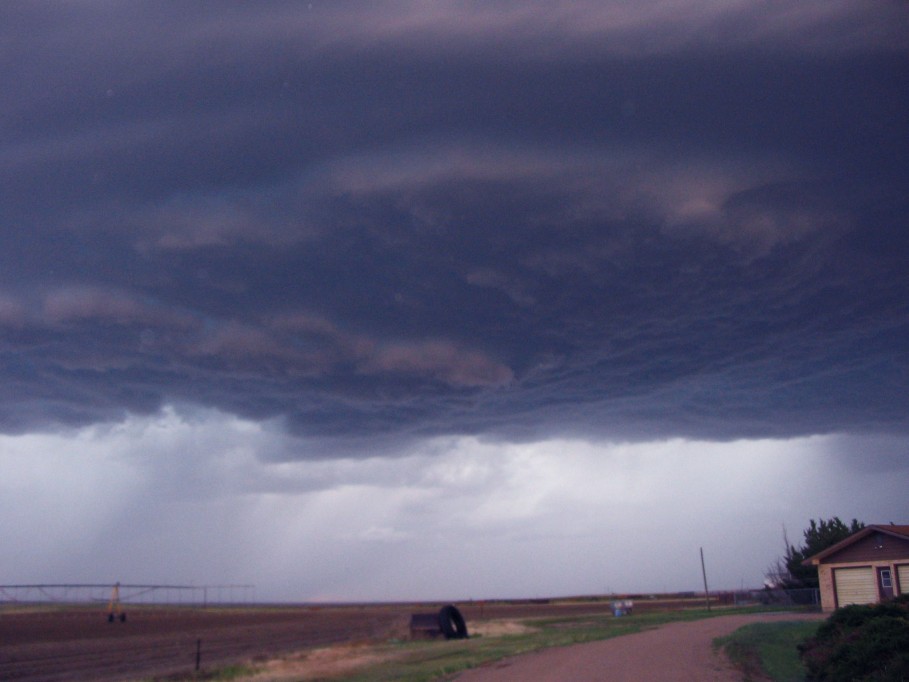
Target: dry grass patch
337, 661
321, 664
499, 628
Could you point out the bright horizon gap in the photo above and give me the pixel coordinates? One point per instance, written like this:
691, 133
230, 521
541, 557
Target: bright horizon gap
596, 501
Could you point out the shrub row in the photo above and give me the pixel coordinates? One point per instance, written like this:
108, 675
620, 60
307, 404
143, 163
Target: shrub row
861, 644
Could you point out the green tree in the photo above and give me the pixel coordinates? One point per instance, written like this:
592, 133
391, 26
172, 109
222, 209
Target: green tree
821, 534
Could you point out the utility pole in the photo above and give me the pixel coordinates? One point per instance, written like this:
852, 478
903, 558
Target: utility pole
704, 573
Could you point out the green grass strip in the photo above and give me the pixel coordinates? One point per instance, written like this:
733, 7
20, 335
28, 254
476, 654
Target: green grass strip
769, 649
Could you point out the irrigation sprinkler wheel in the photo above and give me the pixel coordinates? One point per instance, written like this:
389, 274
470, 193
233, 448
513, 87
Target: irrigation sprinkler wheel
451, 622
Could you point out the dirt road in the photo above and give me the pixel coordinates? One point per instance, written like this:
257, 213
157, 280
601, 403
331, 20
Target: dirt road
678, 652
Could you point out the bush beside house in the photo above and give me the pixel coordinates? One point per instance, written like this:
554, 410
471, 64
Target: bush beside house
861, 643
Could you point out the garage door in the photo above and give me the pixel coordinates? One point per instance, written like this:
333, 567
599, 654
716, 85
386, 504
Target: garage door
902, 573
855, 586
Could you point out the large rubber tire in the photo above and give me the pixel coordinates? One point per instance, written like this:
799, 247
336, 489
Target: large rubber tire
451, 622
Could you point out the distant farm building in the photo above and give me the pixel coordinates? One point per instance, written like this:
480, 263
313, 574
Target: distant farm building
869, 566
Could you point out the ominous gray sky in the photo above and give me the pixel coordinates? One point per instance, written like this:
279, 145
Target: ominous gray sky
412, 299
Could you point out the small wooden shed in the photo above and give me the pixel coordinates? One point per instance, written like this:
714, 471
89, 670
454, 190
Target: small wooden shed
869, 566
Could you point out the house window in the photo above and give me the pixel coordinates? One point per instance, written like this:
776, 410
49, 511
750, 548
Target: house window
886, 579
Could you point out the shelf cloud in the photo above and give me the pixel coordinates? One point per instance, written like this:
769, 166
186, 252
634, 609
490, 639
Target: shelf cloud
371, 228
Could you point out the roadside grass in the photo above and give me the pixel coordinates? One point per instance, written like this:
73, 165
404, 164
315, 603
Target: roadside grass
768, 650
409, 661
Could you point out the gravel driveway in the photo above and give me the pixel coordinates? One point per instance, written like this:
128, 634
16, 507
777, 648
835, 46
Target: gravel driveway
670, 653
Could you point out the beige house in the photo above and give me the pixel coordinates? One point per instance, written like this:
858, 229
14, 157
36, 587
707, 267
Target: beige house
869, 566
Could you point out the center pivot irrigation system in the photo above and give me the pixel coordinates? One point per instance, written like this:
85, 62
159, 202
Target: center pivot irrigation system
122, 593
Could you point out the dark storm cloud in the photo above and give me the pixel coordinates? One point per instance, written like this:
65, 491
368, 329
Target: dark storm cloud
377, 225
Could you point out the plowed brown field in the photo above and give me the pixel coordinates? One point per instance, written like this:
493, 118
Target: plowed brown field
67, 644
79, 644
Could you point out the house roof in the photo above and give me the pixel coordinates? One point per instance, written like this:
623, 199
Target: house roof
901, 531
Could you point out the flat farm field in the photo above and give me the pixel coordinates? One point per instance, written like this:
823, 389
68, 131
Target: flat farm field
80, 644
63, 644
